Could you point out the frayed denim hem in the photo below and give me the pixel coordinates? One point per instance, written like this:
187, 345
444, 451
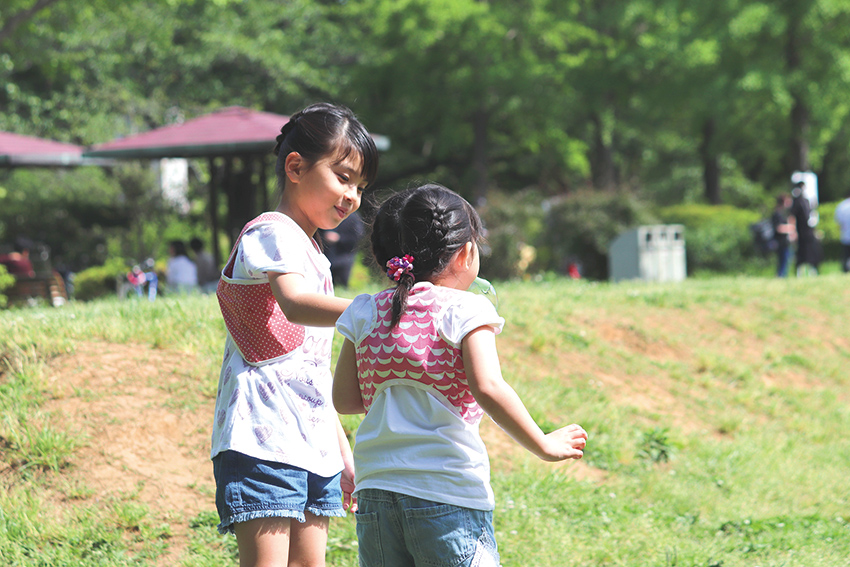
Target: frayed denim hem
329, 512
226, 526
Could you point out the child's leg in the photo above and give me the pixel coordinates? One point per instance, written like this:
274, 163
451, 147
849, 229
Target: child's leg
308, 541
263, 542
281, 542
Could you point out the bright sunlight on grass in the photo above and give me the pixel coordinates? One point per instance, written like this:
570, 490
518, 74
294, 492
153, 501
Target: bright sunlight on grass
717, 412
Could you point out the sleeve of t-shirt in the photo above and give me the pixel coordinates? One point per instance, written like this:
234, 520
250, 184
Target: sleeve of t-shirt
358, 319
466, 315
273, 247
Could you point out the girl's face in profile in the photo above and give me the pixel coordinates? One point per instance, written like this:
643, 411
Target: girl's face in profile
324, 193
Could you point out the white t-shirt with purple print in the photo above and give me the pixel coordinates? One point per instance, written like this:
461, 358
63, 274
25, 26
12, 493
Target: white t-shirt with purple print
280, 411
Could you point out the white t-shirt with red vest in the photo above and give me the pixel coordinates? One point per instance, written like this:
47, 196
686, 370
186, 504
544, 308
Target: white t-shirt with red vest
279, 410
420, 435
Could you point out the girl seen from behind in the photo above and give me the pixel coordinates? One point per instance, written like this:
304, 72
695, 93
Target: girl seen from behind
279, 452
420, 360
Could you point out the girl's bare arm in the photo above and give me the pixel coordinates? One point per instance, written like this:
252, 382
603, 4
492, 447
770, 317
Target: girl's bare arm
346, 389
501, 402
302, 306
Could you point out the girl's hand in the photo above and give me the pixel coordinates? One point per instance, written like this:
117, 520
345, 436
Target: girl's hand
346, 482
565, 443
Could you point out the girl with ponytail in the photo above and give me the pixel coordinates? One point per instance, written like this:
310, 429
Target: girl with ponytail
420, 360
281, 461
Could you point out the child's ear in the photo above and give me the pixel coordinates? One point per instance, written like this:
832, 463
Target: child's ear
293, 165
466, 255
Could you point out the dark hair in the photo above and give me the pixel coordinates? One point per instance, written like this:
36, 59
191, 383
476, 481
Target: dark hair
178, 247
323, 130
430, 223
196, 244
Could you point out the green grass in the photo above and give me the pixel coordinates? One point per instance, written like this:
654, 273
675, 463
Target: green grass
717, 411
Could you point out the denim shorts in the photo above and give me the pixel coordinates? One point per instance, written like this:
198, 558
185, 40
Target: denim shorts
395, 530
249, 488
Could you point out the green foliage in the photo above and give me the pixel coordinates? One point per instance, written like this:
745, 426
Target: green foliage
655, 446
514, 225
6, 281
717, 238
99, 281
70, 211
581, 226
829, 230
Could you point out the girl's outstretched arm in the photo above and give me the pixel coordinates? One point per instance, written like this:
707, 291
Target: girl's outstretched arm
346, 390
302, 306
501, 402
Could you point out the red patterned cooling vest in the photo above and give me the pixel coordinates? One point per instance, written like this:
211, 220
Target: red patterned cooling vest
253, 318
414, 352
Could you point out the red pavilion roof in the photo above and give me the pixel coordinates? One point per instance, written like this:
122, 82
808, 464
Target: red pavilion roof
20, 150
232, 130
229, 131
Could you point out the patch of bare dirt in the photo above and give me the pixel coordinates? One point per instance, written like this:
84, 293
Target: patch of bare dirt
140, 439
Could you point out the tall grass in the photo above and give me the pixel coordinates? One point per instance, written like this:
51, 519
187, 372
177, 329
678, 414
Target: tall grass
717, 412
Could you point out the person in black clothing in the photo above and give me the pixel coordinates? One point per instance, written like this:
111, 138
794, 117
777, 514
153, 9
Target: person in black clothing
340, 246
808, 247
784, 234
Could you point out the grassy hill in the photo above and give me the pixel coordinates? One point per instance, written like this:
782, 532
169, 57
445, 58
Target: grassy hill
717, 412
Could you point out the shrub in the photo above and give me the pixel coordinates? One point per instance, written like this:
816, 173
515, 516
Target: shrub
828, 229
99, 281
514, 225
580, 228
717, 237
6, 281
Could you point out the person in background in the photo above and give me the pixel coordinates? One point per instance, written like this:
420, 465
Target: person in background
808, 247
340, 246
281, 459
181, 274
784, 234
208, 272
18, 261
420, 360
842, 217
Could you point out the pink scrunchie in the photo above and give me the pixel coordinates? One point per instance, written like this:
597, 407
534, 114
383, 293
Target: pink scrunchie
396, 267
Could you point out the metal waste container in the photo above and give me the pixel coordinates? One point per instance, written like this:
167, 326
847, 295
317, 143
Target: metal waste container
651, 253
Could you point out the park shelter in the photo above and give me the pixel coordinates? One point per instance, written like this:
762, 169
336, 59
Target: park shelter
17, 150
238, 144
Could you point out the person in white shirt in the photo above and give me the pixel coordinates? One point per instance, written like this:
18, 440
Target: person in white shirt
842, 217
181, 274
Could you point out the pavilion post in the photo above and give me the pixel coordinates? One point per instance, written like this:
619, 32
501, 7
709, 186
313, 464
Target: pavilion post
216, 248
264, 184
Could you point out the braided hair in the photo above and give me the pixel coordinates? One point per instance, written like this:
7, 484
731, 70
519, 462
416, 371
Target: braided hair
322, 130
429, 223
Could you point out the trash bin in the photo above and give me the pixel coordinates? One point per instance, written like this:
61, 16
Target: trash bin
651, 253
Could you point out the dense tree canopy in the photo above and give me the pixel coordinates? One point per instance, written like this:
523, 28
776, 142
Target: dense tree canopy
674, 100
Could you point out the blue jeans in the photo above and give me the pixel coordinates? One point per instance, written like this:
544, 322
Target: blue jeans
783, 256
396, 530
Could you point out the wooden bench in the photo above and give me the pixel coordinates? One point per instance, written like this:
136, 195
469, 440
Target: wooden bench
47, 286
